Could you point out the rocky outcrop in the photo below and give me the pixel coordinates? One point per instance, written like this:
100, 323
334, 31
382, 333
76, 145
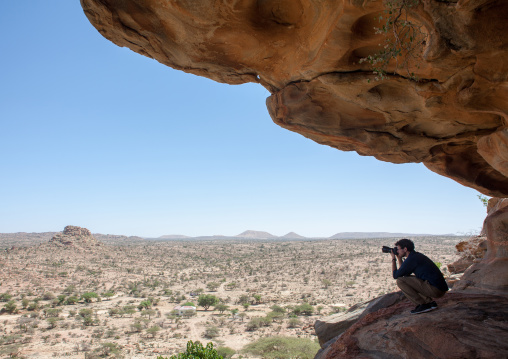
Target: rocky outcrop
74, 237
307, 54
332, 326
329, 329
464, 326
470, 251
490, 274
471, 322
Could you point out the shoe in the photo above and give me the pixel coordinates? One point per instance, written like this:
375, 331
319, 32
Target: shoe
417, 309
422, 308
433, 305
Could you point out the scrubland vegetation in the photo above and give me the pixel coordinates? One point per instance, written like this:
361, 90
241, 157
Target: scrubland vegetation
118, 300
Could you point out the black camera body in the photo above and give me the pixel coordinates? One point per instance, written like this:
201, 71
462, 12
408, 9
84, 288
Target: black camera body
387, 249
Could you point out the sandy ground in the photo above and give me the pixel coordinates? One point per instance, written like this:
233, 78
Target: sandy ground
330, 275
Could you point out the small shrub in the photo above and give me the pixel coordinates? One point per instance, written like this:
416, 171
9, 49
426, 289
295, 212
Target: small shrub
211, 332
283, 348
71, 300
226, 352
10, 307
195, 350
278, 309
88, 296
221, 307
5, 297
48, 296
153, 330
294, 323
257, 322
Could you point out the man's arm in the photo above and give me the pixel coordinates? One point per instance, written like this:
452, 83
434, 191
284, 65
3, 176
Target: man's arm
405, 268
394, 263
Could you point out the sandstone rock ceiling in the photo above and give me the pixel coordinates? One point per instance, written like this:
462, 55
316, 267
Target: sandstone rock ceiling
307, 52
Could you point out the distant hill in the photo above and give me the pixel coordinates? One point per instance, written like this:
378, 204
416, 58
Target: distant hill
365, 235
117, 239
255, 235
173, 236
292, 235
22, 239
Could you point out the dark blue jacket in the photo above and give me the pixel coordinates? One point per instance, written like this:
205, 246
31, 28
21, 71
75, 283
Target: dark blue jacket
423, 268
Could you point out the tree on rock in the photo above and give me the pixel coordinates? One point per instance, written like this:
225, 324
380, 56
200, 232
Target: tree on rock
207, 300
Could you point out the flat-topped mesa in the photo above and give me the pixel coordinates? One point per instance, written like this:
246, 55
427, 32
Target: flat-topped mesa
73, 236
307, 54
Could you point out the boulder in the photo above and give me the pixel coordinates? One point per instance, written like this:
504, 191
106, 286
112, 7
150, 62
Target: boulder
308, 54
330, 327
334, 325
470, 251
464, 326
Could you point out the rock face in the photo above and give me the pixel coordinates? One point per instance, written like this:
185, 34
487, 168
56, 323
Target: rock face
464, 326
329, 329
74, 237
307, 54
490, 275
334, 325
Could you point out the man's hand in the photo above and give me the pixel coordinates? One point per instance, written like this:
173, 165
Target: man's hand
394, 262
396, 258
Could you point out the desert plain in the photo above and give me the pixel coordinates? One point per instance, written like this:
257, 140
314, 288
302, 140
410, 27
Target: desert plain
117, 297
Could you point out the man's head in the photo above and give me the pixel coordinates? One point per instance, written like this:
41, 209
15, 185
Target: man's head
405, 246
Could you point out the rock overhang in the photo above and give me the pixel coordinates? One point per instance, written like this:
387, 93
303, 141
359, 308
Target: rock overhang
307, 54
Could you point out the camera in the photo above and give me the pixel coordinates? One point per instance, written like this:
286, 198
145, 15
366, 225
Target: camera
387, 249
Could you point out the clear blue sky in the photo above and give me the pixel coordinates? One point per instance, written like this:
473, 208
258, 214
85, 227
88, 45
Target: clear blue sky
97, 136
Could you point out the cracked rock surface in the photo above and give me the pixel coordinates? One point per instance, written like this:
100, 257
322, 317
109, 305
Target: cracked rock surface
465, 326
307, 54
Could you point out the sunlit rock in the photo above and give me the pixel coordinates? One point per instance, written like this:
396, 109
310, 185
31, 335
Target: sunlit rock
490, 274
307, 54
464, 326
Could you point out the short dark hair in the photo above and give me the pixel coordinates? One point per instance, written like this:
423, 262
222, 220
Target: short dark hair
406, 243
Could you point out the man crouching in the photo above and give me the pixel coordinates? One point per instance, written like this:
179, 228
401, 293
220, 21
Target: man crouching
426, 283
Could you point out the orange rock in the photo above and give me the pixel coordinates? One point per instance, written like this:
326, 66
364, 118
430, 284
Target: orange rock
307, 54
464, 326
490, 274
470, 252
